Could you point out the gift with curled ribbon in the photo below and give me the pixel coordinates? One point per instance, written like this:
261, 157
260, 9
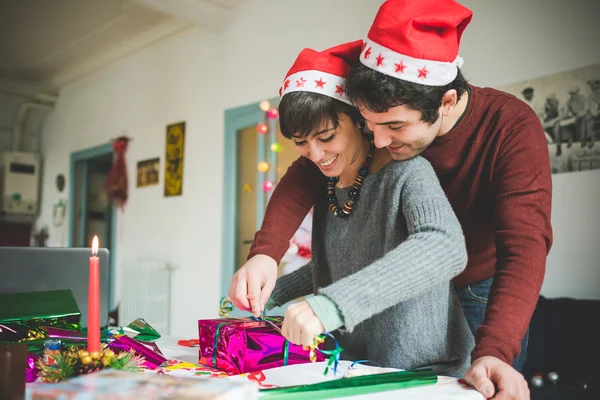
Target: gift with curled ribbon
242, 345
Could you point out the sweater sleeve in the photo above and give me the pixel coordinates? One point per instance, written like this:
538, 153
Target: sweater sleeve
293, 285
291, 200
434, 252
522, 185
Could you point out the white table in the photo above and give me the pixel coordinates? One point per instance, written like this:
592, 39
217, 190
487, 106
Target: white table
445, 389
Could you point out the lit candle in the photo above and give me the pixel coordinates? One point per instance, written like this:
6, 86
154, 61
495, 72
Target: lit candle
94, 300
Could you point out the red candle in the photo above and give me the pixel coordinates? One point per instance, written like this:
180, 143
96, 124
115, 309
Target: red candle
94, 300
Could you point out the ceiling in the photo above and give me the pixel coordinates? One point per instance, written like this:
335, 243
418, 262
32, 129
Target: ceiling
45, 44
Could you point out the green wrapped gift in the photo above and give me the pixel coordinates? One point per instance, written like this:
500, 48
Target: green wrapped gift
23, 316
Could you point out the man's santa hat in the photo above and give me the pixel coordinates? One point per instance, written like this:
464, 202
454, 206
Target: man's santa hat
417, 40
322, 72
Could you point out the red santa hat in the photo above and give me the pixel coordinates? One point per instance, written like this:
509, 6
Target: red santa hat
417, 40
322, 72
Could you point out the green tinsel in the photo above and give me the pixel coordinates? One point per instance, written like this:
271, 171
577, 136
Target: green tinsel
72, 362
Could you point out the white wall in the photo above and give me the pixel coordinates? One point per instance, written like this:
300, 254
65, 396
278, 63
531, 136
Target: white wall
196, 75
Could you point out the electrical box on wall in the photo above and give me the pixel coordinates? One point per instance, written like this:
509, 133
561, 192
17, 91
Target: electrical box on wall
20, 183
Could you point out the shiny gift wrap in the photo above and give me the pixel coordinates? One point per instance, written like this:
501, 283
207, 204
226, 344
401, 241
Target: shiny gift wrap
24, 316
241, 345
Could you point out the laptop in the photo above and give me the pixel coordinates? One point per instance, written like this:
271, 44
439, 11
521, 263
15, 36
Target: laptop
36, 269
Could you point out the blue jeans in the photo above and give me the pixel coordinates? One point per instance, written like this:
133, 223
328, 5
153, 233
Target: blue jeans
473, 299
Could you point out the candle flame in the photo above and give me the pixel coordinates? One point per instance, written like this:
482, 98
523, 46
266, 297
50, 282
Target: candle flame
95, 245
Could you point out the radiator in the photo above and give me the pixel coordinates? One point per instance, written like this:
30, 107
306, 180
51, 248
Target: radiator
146, 293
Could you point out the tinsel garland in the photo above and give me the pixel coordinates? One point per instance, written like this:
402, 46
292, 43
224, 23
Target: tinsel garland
72, 362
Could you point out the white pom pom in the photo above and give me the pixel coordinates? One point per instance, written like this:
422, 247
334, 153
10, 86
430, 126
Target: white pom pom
459, 61
293, 250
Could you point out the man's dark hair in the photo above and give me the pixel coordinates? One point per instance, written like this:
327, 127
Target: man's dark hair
303, 113
379, 92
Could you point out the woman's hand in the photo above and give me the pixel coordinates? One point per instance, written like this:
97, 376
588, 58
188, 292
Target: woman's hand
252, 285
301, 325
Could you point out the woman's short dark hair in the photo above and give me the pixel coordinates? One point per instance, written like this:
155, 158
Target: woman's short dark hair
379, 92
303, 113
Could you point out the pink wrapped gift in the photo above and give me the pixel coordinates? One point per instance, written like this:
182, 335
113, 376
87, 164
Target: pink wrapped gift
241, 345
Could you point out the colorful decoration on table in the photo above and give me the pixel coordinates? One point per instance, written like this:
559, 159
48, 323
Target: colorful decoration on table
353, 194
262, 166
116, 182
267, 186
265, 105
189, 343
147, 172
273, 113
26, 316
32, 370
149, 351
275, 147
145, 331
262, 128
247, 188
225, 307
74, 362
174, 154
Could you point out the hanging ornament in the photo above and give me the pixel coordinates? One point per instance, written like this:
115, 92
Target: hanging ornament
267, 186
247, 188
263, 166
275, 147
265, 105
262, 128
116, 182
273, 113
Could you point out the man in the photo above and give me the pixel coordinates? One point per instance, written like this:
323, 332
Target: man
532, 101
489, 152
593, 118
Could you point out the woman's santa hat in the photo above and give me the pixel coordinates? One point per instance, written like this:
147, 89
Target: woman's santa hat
322, 72
417, 40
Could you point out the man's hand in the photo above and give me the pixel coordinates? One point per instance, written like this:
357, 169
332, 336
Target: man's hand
301, 325
252, 285
497, 380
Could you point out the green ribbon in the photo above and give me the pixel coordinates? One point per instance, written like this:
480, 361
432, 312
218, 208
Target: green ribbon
216, 342
357, 385
286, 352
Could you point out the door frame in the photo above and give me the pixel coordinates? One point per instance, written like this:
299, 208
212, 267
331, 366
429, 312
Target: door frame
236, 119
82, 156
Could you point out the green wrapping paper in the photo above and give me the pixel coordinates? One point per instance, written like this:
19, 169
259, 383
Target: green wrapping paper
23, 316
353, 386
146, 332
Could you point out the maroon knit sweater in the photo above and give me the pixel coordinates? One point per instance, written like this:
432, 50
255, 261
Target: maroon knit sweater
495, 170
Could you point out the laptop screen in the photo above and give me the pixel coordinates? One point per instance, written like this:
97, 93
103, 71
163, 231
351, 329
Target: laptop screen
36, 269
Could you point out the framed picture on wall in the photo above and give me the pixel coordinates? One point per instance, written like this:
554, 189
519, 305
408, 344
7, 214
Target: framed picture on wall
568, 105
147, 172
174, 153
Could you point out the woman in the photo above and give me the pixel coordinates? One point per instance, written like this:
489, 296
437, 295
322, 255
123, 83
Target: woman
385, 244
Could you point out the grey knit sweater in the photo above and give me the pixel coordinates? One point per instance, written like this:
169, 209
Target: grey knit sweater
388, 268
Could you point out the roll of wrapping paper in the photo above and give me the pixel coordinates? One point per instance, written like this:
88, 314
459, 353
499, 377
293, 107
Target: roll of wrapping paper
357, 385
23, 316
58, 333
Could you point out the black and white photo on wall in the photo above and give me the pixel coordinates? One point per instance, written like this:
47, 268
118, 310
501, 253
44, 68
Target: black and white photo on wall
568, 105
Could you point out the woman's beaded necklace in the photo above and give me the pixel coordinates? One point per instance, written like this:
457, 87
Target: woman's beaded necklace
353, 194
